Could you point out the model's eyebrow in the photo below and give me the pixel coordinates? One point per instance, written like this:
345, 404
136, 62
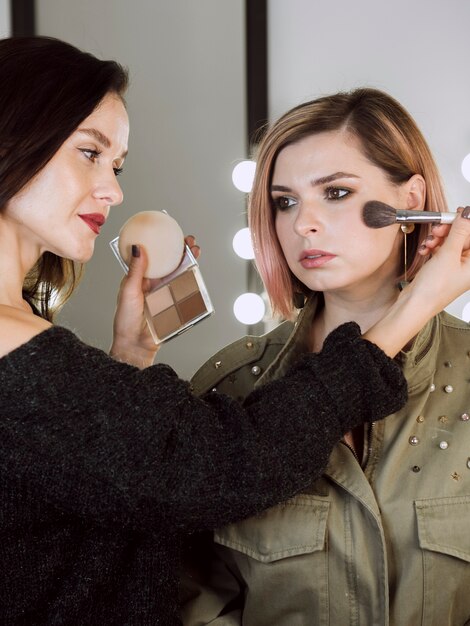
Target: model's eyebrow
331, 177
99, 136
318, 181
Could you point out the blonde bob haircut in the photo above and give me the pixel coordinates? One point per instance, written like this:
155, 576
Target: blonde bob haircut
390, 139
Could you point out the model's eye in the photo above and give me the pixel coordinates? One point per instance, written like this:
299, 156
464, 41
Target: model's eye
336, 193
117, 171
91, 155
282, 203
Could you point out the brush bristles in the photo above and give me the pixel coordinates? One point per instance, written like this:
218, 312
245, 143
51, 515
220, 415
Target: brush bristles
378, 214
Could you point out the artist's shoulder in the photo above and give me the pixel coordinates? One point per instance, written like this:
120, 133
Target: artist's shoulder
18, 327
233, 370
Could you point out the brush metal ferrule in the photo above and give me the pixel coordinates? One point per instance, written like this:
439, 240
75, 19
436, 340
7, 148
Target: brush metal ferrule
424, 217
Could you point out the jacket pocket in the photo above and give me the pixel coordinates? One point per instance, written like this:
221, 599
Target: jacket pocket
295, 527
281, 561
443, 525
444, 538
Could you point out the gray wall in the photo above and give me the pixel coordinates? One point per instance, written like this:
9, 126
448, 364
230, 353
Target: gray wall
5, 18
187, 109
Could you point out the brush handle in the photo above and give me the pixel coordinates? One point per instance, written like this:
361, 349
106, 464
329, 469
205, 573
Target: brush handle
424, 217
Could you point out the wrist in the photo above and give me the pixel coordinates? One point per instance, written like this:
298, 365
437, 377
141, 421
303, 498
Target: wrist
127, 353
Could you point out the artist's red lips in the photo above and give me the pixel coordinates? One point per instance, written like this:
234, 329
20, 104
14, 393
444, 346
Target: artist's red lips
310, 259
94, 221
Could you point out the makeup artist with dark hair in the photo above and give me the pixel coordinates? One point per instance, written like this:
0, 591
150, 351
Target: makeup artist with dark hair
106, 462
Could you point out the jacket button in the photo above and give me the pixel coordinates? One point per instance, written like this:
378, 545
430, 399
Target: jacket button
413, 440
465, 417
448, 389
443, 445
217, 364
255, 370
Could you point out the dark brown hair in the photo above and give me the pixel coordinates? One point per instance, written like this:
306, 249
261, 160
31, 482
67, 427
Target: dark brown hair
47, 88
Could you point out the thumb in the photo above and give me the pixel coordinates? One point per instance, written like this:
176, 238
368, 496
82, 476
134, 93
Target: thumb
137, 267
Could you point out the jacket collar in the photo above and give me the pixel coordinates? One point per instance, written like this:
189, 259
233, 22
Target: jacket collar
296, 344
417, 361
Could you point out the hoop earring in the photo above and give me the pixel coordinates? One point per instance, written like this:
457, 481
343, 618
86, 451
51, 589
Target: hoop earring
406, 229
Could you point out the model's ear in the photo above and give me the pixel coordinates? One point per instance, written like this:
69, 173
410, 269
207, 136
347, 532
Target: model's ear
414, 191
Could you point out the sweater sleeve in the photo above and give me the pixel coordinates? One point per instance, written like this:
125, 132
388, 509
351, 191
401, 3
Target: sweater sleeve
114, 444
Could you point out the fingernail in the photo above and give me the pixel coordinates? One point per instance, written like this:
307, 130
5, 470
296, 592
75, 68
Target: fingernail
423, 247
429, 238
135, 251
466, 213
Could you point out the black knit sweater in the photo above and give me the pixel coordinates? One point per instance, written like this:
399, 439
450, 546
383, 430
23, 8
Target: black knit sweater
104, 468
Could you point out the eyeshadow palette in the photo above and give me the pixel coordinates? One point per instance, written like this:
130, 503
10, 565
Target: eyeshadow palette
175, 302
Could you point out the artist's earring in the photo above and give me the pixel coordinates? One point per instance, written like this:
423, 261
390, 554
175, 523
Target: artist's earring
406, 229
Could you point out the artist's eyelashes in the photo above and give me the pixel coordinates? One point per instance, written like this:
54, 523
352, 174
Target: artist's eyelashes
336, 193
93, 156
283, 203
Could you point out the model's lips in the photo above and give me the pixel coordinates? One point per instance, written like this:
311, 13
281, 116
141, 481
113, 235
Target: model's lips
315, 258
93, 220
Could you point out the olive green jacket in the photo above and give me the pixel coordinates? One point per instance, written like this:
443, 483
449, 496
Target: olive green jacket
381, 540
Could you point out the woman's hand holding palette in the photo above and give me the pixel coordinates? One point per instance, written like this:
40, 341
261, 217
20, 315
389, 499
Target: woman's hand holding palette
178, 297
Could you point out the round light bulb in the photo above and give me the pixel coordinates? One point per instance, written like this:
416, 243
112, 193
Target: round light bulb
242, 244
249, 308
466, 168
243, 175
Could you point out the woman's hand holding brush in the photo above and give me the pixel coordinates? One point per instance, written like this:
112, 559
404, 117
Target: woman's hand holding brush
440, 281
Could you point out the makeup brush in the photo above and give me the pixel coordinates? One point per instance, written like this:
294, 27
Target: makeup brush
377, 214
